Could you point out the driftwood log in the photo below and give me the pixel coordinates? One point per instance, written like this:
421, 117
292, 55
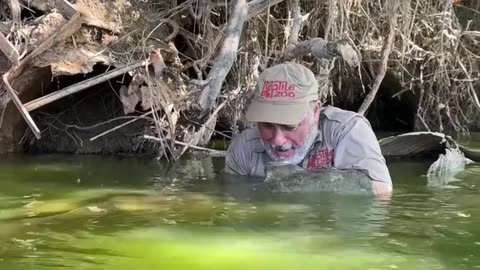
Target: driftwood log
422, 145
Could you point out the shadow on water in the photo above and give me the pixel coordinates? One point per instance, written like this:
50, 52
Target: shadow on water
90, 212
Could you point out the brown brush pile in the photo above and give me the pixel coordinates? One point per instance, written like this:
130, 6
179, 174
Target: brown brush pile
201, 58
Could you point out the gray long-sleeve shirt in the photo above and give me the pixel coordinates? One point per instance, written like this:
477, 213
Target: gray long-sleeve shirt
345, 140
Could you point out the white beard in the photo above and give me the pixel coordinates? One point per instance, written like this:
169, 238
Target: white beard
301, 152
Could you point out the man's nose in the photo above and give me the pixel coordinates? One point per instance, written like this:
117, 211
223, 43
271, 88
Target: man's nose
278, 137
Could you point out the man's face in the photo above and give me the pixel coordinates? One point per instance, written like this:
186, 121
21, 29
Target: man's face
290, 143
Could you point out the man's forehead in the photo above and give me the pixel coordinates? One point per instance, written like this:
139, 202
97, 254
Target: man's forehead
304, 120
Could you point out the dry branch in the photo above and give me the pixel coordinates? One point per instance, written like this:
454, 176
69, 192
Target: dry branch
15, 10
387, 49
42, 101
226, 57
20, 107
9, 50
241, 12
296, 25
323, 49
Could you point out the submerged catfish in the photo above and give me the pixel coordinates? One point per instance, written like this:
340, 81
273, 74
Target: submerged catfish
284, 177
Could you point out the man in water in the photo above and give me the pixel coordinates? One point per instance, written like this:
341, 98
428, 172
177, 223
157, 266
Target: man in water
292, 126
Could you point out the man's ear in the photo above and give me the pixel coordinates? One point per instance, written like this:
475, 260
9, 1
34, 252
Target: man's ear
316, 111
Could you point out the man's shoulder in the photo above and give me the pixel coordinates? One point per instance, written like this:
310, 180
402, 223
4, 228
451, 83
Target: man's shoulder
245, 154
250, 139
336, 123
338, 115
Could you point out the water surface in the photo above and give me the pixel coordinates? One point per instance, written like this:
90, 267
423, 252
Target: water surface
87, 212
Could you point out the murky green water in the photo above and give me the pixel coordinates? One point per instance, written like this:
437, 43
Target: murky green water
59, 212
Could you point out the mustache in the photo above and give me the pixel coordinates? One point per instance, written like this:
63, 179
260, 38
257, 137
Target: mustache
282, 148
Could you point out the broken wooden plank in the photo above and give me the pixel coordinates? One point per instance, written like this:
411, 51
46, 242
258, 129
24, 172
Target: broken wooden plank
20, 107
9, 50
66, 31
42, 101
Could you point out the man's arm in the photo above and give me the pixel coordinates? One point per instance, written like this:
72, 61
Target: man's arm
357, 148
381, 187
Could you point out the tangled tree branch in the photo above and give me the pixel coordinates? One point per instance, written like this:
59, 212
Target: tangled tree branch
323, 49
387, 49
228, 52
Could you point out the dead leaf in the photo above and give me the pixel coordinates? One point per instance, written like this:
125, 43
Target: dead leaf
349, 55
156, 60
68, 60
134, 86
147, 99
129, 101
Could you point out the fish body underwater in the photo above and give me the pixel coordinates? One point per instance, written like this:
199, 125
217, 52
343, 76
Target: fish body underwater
283, 177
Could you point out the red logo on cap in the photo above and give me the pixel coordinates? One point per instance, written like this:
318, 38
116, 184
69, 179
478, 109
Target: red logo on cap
274, 89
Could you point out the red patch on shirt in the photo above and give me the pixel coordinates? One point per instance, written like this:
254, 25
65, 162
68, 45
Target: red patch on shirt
278, 89
321, 158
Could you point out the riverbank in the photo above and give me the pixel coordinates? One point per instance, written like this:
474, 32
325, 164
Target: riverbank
95, 77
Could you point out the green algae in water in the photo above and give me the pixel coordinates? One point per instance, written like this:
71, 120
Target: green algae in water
175, 249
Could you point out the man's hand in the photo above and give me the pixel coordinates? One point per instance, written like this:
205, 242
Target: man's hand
381, 189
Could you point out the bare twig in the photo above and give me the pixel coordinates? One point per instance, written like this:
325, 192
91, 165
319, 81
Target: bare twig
2, 115
148, 137
175, 29
120, 126
166, 104
471, 89
199, 134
